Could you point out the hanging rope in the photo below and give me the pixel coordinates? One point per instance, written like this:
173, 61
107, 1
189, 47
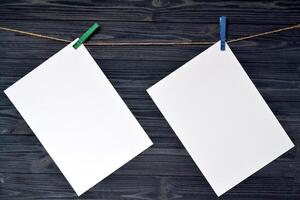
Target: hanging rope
151, 43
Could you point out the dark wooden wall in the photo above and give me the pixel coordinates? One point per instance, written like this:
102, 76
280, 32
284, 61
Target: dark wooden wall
165, 171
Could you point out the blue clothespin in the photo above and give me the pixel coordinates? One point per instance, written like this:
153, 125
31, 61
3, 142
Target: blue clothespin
223, 32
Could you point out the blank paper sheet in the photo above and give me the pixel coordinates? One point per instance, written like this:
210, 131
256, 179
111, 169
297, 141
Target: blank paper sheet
220, 117
78, 117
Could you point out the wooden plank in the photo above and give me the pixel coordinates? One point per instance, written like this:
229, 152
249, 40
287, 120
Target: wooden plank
29, 186
284, 44
25, 154
132, 79
151, 119
147, 32
246, 12
262, 53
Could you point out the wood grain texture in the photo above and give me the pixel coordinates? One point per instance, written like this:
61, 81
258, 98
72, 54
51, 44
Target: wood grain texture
164, 171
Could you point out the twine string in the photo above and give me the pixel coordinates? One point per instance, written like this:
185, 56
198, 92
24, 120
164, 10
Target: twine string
151, 43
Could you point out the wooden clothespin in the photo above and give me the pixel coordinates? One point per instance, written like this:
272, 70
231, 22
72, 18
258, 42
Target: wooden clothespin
223, 32
86, 35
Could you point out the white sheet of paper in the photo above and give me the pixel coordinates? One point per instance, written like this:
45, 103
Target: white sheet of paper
78, 117
220, 117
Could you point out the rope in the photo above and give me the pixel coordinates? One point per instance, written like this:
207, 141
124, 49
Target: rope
33, 34
150, 43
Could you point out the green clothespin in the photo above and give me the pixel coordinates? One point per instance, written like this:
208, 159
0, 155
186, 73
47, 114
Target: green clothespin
86, 35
